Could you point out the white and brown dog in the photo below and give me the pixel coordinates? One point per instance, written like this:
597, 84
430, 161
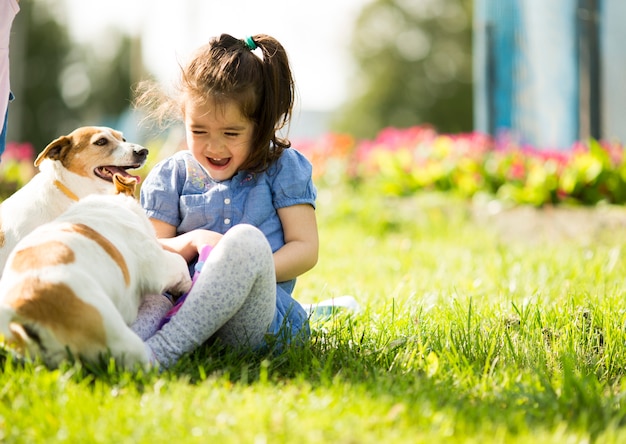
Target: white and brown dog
71, 167
74, 285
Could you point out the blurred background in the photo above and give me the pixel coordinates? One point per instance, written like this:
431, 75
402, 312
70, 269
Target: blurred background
359, 65
519, 98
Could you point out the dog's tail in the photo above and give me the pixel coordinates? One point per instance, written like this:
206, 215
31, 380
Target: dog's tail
14, 333
7, 314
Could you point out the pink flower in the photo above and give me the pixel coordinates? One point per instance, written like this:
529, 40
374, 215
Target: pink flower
21, 152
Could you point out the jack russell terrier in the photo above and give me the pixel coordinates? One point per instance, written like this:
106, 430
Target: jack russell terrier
72, 286
70, 168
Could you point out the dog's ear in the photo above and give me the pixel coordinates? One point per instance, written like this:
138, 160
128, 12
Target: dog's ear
124, 185
54, 150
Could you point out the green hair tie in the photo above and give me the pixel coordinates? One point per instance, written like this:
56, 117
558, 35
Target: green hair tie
250, 43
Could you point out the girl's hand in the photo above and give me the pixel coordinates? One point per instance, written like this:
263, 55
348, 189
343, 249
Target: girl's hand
200, 238
188, 245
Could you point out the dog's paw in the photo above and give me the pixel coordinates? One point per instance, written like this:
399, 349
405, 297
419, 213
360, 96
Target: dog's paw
175, 274
181, 286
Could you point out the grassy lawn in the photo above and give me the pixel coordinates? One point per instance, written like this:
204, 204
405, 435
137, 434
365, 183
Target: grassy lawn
463, 336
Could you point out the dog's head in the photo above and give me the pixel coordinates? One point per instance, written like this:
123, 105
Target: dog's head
95, 152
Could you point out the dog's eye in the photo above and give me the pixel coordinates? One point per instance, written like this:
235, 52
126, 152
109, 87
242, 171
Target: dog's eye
101, 142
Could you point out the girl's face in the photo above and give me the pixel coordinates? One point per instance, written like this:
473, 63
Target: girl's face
218, 136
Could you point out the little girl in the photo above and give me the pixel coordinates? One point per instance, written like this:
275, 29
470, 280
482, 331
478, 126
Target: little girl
240, 189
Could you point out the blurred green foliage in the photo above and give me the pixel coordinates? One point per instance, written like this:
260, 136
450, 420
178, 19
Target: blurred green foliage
414, 66
61, 84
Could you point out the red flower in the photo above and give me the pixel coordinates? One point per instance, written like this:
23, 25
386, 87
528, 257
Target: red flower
21, 152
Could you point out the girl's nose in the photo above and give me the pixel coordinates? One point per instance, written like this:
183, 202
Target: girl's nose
210, 143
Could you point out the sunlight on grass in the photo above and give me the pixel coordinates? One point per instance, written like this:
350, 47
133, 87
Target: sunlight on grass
463, 336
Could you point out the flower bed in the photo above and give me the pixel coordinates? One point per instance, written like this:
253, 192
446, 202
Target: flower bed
401, 162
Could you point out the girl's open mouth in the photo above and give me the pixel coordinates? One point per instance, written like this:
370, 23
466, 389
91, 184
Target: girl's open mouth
219, 162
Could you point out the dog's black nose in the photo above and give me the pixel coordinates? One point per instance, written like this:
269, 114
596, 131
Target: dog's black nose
143, 152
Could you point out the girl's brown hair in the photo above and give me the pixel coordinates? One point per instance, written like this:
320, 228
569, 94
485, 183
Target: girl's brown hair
228, 70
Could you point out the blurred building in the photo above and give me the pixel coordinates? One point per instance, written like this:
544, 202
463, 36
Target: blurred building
549, 73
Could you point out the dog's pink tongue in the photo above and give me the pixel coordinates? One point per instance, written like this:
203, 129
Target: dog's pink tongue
123, 172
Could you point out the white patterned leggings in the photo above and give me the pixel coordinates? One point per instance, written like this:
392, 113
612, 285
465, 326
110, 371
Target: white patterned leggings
233, 299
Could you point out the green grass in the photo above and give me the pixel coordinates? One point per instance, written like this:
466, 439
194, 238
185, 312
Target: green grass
463, 337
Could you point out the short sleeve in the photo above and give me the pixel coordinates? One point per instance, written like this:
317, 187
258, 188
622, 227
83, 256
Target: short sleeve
160, 192
292, 180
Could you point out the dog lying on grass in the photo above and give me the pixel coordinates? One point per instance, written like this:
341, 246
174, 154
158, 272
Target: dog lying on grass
72, 286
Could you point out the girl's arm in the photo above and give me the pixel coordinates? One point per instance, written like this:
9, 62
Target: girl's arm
188, 245
300, 252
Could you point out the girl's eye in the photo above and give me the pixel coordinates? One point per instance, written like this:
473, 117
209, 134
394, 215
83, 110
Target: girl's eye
229, 134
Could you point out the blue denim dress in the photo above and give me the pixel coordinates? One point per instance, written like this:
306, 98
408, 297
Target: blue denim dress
178, 191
